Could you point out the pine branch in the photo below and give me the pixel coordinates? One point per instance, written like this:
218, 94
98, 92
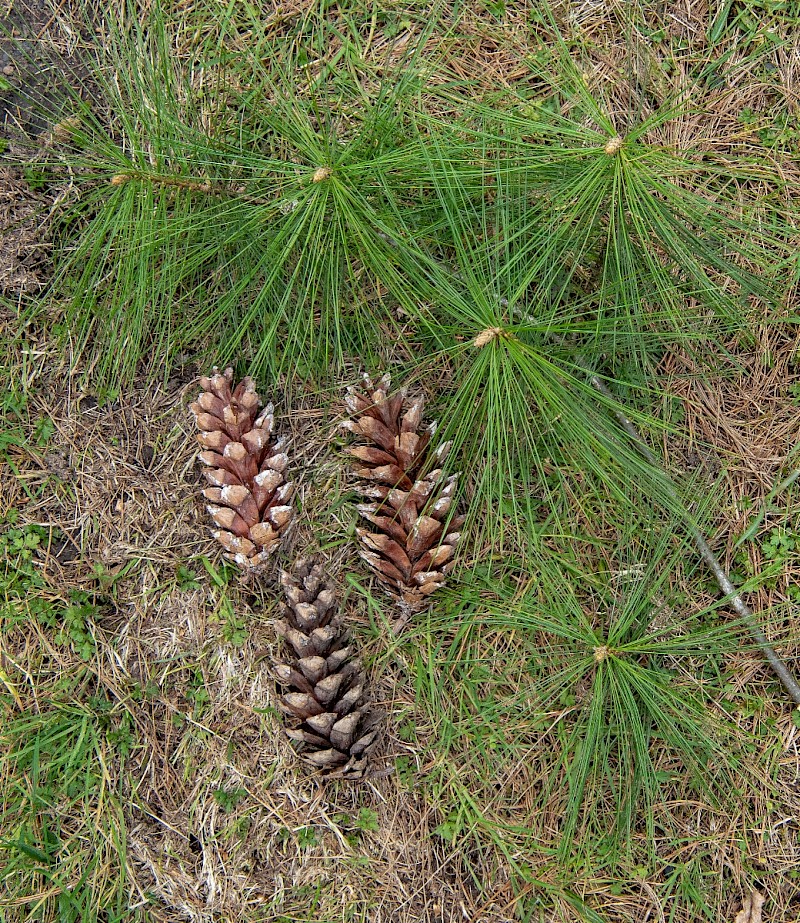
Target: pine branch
780, 669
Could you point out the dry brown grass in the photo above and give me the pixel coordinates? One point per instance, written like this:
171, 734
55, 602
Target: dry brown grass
119, 483
744, 422
25, 234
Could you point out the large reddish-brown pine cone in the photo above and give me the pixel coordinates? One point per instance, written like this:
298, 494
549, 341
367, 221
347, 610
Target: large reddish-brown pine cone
250, 498
324, 703
412, 543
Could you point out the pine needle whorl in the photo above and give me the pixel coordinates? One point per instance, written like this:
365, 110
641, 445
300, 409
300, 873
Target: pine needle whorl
250, 498
324, 701
412, 540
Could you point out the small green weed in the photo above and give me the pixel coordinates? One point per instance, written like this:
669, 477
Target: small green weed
307, 838
43, 431
75, 626
187, 578
26, 593
779, 545
229, 799
197, 693
233, 618
22, 584
366, 821
778, 548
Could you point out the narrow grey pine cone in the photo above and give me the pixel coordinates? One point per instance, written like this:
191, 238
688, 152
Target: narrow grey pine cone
327, 714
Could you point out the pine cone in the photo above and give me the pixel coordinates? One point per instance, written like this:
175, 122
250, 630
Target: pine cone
325, 705
412, 550
250, 496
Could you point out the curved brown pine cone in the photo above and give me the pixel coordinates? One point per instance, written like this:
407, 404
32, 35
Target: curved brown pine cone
324, 703
413, 539
250, 498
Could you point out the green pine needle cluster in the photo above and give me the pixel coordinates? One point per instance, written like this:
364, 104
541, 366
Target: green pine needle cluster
591, 704
296, 220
